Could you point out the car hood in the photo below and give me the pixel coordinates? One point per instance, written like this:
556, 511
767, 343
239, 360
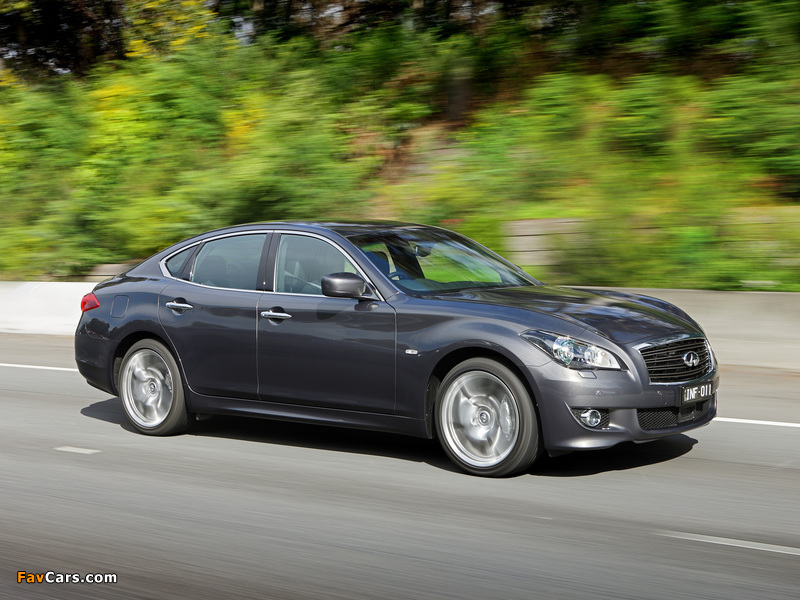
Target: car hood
621, 317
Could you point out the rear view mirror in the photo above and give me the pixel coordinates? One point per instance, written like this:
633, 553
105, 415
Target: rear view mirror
422, 251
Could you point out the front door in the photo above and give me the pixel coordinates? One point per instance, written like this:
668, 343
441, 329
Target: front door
320, 351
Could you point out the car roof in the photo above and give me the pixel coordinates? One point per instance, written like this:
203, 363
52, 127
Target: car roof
341, 228
347, 227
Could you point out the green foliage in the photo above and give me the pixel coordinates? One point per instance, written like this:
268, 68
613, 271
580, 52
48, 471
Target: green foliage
757, 119
162, 26
582, 113
640, 120
556, 105
134, 159
631, 161
143, 153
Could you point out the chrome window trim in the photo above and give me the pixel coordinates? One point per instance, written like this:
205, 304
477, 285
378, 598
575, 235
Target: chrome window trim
165, 272
346, 254
678, 338
162, 264
213, 287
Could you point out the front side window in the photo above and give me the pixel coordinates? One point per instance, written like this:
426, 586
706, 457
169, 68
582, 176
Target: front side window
424, 261
231, 262
303, 261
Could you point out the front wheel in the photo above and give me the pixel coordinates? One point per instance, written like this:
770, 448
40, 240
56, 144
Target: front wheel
151, 389
485, 419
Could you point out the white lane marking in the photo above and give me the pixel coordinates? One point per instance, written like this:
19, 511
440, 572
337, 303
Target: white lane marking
722, 419
709, 539
13, 366
753, 422
75, 450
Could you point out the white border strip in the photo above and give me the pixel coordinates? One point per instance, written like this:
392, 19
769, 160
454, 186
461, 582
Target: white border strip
752, 422
76, 450
721, 419
708, 539
13, 366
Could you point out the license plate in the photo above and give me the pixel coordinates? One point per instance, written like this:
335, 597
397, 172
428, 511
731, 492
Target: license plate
697, 393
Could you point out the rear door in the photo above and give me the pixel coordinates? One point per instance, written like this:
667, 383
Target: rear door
210, 315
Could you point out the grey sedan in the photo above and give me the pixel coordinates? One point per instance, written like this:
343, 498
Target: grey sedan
394, 327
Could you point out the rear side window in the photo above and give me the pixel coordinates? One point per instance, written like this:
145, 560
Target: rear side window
175, 264
231, 262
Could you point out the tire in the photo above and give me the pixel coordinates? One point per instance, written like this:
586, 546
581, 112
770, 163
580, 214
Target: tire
485, 419
151, 389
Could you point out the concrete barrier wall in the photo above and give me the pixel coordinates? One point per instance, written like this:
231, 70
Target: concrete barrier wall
760, 329
41, 307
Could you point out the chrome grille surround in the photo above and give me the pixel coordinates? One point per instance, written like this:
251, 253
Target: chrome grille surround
665, 363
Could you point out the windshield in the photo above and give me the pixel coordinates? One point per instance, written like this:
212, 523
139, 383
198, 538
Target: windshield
424, 261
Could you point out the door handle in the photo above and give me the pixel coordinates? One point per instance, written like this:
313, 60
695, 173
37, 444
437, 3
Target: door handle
178, 306
268, 314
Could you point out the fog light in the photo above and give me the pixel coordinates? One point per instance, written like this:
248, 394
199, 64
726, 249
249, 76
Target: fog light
591, 417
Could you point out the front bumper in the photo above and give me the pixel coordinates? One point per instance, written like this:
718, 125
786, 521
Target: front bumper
632, 410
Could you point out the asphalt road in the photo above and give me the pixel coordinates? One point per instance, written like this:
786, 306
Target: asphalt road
258, 509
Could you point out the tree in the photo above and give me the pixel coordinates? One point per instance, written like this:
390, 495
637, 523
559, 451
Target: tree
56, 36
162, 26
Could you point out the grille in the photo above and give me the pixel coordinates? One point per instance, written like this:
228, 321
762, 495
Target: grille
665, 362
666, 418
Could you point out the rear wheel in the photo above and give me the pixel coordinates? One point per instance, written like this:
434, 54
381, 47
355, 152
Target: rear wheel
151, 389
485, 419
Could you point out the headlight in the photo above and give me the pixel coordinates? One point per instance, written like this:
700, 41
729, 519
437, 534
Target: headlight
572, 353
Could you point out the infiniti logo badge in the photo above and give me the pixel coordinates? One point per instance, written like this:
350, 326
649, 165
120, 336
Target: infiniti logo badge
691, 359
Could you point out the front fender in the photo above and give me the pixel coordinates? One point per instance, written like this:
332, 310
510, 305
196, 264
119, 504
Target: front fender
428, 339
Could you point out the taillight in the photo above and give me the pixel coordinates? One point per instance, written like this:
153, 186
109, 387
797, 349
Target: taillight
89, 301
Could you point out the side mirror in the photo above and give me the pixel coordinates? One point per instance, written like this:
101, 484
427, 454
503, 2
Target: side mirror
344, 285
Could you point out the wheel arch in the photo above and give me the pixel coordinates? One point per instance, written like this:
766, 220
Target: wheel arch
459, 355
127, 342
